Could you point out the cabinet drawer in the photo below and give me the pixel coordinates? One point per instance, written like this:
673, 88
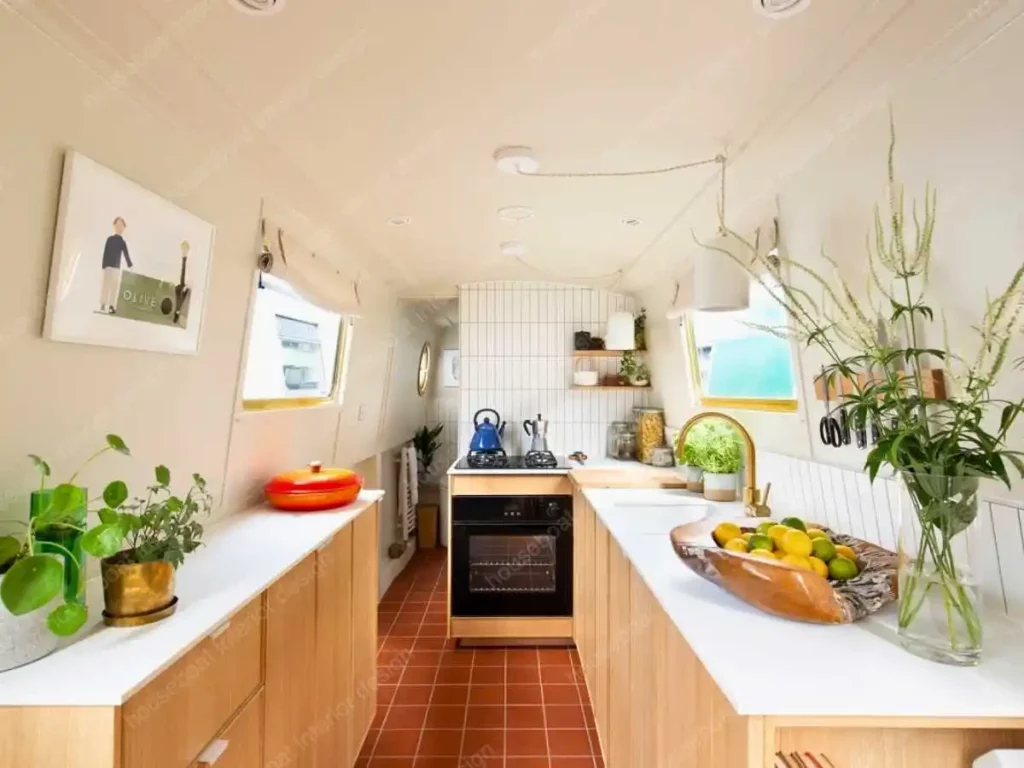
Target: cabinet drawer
241, 743
170, 721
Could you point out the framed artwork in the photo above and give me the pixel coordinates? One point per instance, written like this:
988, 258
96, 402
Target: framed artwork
130, 269
450, 367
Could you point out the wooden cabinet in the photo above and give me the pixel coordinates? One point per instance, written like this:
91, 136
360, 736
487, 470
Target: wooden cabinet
364, 623
241, 743
291, 672
334, 688
170, 721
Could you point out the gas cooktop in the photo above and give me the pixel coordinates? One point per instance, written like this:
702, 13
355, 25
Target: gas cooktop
499, 461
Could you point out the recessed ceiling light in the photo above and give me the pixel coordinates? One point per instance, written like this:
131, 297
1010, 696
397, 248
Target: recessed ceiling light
258, 7
513, 248
629, 221
780, 9
516, 160
399, 221
515, 213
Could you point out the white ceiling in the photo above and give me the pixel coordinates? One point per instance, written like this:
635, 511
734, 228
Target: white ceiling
360, 110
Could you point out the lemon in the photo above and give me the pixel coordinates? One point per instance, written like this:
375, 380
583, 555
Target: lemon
794, 522
776, 532
819, 567
796, 543
736, 545
844, 551
725, 532
842, 568
816, 533
823, 549
797, 560
763, 553
760, 541
763, 528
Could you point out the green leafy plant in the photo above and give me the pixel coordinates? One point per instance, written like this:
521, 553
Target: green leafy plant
714, 446
642, 373
160, 526
640, 330
628, 365
941, 447
31, 579
427, 440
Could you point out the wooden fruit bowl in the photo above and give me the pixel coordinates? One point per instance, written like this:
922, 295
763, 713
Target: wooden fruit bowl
785, 590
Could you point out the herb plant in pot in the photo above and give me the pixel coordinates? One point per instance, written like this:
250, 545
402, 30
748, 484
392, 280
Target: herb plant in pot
721, 456
689, 454
142, 541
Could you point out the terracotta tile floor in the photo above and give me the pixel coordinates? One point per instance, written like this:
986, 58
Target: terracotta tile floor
443, 707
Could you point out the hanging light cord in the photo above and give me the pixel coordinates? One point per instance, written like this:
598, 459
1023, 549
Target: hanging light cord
618, 174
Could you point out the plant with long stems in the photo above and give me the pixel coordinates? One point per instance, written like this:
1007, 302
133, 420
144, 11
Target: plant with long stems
941, 447
33, 578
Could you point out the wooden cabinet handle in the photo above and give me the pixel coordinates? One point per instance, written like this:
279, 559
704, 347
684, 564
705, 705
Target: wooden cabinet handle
212, 753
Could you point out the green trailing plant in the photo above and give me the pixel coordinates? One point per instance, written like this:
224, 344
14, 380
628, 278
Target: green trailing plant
159, 526
640, 330
941, 448
31, 579
427, 441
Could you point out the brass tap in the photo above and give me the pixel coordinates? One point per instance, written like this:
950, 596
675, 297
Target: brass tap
754, 505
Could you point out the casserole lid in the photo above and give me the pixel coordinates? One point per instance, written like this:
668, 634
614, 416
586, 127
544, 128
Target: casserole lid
314, 479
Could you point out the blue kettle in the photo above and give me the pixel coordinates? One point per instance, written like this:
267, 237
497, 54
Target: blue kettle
487, 436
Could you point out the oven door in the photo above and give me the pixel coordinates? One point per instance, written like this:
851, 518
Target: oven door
512, 570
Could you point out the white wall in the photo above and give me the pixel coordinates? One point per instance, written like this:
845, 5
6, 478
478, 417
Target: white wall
444, 405
517, 341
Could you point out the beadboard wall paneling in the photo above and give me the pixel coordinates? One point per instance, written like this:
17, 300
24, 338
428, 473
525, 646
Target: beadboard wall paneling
847, 502
516, 340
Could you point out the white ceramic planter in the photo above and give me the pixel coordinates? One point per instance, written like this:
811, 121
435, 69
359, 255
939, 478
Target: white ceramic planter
24, 639
694, 479
720, 487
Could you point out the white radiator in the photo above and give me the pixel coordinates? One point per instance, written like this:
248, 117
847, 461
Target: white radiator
408, 490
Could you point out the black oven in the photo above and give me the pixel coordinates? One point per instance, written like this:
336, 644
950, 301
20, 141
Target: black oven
511, 556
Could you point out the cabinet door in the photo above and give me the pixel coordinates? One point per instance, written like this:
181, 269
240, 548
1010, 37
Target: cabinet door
291, 667
364, 621
642, 681
241, 743
334, 701
585, 600
603, 651
620, 637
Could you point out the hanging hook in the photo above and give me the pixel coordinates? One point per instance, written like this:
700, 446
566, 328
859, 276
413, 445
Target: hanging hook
280, 245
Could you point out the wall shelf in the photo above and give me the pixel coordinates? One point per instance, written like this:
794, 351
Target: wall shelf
606, 353
615, 389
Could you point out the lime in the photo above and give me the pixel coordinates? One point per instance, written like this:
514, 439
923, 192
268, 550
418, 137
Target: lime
725, 532
797, 560
763, 553
816, 533
819, 567
776, 532
736, 545
763, 528
842, 568
823, 549
795, 522
796, 543
760, 541
844, 551
747, 536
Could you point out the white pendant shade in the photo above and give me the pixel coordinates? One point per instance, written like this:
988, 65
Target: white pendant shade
620, 334
719, 284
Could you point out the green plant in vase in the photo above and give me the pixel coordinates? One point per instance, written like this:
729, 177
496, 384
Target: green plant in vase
939, 448
427, 441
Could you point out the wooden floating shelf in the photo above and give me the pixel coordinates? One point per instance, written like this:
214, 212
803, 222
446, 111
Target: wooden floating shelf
617, 389
585, 353
934, 381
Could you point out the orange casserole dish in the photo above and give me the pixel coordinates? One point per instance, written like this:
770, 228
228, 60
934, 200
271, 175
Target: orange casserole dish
313, 489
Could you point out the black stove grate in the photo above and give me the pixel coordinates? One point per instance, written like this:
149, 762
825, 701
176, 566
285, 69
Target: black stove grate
487, 460
540, 460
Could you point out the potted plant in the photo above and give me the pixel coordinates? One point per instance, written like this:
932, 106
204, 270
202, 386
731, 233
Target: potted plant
689, 454
640, 330
142, 541
426, 440
43, 562
939, 445
642, 376
632, 371
721, 457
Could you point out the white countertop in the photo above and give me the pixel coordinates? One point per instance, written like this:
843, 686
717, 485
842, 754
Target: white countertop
243, 555
758, 660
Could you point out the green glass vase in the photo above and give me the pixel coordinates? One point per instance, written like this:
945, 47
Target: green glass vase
59, 539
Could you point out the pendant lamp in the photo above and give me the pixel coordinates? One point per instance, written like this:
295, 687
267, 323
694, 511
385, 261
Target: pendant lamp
620, 334
719, 283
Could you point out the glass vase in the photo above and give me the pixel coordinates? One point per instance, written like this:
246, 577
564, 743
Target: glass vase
939, 605
59, 539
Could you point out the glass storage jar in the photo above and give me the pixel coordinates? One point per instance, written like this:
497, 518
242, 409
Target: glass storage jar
615, 429
662, 457
650, 432
626, 446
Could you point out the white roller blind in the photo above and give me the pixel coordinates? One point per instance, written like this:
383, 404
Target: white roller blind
311, 275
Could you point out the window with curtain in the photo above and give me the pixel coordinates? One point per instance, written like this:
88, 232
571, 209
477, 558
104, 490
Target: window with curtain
295, 349
736, 364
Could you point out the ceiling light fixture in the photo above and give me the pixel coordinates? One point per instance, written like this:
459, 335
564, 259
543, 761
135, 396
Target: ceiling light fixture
516, 160
399, 221
629, 221
515, 213
780, 9
258, 7
513, 249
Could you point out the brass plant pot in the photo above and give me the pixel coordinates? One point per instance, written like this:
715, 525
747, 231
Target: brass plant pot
133, 591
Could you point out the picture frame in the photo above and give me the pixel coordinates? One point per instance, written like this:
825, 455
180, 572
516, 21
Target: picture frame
450, 364
129, 269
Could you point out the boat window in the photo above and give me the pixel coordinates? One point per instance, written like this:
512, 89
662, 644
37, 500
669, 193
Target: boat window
736, 364
423, 374
295, 350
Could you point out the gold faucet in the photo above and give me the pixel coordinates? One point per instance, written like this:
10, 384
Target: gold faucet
752, 501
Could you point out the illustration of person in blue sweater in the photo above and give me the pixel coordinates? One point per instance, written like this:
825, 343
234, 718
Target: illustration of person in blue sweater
113, 250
